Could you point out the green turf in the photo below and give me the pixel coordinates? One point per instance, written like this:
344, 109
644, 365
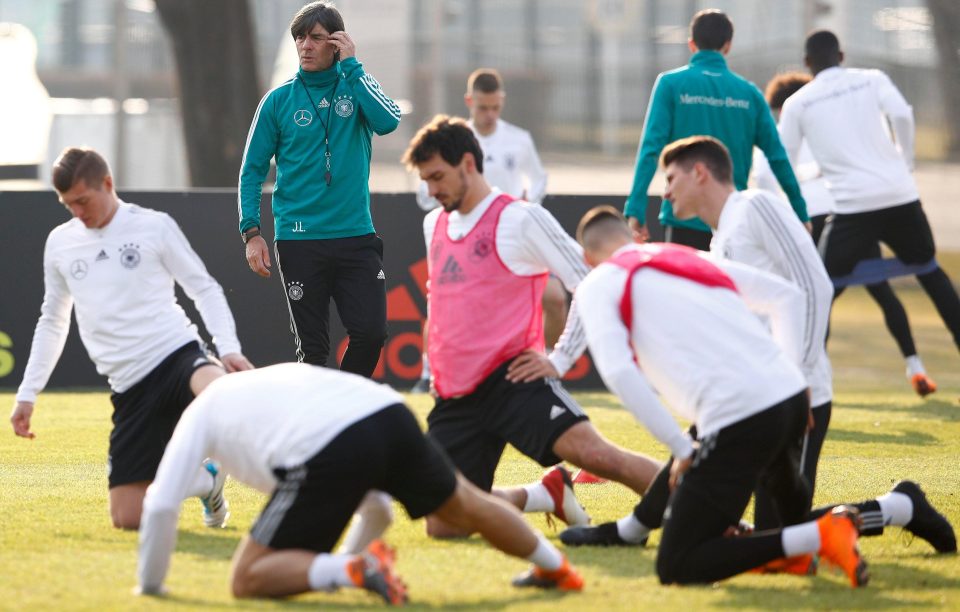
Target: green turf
58, 551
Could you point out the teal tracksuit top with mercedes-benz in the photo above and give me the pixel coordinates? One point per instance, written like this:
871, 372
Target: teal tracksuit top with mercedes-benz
346, 106
707, 98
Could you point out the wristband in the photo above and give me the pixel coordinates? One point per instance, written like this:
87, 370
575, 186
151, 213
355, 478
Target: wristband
250, 233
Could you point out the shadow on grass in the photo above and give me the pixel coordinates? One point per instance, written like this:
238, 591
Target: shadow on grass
911, 438
626, 561
944, 410
511, 598
215, 544
891, 586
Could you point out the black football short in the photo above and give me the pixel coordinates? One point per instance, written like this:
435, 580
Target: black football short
387, 451
475, 428
849, 239
145, 415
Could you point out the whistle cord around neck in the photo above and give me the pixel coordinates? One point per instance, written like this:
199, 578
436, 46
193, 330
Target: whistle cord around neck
327, 176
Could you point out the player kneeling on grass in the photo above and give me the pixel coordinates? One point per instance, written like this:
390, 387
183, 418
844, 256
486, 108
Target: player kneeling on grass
662, 313
115, 264
319, 441
757, 228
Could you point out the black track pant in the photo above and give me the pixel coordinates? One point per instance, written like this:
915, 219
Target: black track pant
348, 270
764, 448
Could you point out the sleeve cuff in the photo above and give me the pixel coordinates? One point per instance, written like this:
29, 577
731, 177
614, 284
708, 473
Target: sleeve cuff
228, 348
351, 68
681, 446
561, 362
27, 396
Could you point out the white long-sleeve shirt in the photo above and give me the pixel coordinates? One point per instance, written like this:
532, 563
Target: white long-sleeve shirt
760, 229
700, 347
813, 185
529, 241
119, 279
842, 114
251, 423
510, 162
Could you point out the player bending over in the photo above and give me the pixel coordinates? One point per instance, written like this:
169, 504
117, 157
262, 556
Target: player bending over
317, 441
661, 316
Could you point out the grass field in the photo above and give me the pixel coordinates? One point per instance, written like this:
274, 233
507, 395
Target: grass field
58, 551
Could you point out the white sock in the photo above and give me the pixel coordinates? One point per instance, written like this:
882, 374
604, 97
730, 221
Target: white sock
202, 484
800, 539
546, 555
897, 509
425, 372
538, 498
631, 530
914, 366
371, 519
328, 572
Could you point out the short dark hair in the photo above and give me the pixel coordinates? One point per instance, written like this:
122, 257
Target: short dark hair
601, 217
707, 149
310, 15
784, 85
79, 164
484, 80
822, 49
710, 29
450, 137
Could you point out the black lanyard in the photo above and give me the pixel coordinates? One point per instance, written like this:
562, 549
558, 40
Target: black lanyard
327, 177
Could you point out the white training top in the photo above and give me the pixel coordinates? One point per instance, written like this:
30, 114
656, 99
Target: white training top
842, 114
529, 241
510, 162
700, 347
120, 279
813, 185
760, 229
251, 422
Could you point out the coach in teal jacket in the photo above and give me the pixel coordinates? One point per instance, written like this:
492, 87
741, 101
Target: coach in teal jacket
706, 98
318, 126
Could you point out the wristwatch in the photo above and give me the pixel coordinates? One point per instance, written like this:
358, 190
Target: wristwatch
250, 233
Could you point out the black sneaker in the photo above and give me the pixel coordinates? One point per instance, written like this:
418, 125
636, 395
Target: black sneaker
604, 534
927, 523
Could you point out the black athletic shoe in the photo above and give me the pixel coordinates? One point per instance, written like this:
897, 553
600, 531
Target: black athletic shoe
927, 523
604, 534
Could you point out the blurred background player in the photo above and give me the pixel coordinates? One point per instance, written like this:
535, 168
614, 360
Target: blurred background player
842, 115
510, 163
115, 264
706, 97
489, 255
820, 204
317, 441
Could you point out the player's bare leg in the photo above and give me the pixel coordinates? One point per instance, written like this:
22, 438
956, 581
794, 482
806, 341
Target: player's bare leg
470, 510
584, 446
202, 377
126, 504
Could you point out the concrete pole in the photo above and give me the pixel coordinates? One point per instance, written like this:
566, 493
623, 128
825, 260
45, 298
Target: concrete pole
121, 90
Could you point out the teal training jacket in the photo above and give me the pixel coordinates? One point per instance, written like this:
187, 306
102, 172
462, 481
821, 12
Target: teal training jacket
347, 107
707, 98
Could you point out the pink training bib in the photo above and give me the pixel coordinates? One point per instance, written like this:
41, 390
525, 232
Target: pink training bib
674, 259
481, 313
